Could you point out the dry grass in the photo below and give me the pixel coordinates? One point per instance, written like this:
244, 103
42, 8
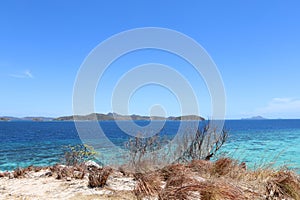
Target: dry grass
173, 170
224, 179
147, 184
22, 172
203, 190
61, 172
98, 178
282, 185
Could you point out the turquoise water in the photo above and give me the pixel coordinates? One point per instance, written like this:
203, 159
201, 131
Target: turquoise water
256, 142
261, 143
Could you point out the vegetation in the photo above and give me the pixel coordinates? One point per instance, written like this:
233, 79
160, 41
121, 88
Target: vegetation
192, 176
140, 149
219, 180
202, 145
77, 154
99, 177
223, 179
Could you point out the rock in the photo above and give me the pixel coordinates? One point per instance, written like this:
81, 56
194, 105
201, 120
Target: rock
69, 179
10, 176
243, 165
6, 174
78, 174
48, 174
2, 175
90, 163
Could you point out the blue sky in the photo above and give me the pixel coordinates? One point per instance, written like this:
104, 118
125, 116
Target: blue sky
255, 45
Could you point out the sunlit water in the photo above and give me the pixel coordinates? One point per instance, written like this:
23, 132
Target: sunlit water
256, 142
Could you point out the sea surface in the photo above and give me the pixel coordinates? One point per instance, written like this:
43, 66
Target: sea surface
259, 143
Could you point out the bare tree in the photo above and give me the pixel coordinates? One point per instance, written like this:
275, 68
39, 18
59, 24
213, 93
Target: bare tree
204, 144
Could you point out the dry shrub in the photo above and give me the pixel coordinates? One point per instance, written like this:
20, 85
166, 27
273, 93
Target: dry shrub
172, 170
77, 172
204, 144
224, 166
37, 169
204, 191
18, 173
177, 176
141, 148
147, 184
201, 166
22, 172
67, 172
29, 168
284, 184
123, 171
99, 178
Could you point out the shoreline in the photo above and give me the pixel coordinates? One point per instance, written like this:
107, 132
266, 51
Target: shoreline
224, 178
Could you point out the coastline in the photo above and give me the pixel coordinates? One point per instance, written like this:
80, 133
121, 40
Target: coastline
222, 179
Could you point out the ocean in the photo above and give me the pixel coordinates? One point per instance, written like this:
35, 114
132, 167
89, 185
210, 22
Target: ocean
256, 142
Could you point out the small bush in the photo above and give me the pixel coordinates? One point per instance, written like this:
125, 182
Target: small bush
77, 172
224, 166
76, 154
203, 191
19, 172
99, 178
140, 149
147, 184
206, 142
284, 184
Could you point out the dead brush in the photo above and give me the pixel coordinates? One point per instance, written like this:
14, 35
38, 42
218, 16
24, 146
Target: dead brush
147, 184
204, 191
284, 184
180, 177
173, 170
181, 180
225, 166
77, 172
202, 167
19, 172
67, 172
37, 169
99, 177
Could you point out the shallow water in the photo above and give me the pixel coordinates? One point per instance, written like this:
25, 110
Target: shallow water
255, 142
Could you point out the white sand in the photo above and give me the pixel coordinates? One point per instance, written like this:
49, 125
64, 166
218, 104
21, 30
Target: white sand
37, 186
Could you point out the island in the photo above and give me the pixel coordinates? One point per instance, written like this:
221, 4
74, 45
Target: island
255, 118
116, 116
104, 117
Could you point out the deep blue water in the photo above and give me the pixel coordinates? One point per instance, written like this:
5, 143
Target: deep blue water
255, 142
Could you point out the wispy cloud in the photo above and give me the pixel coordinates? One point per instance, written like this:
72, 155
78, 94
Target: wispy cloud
23, 74
280, 108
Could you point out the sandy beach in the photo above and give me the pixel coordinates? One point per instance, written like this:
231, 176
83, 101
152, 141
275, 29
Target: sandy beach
197, 180
37, 185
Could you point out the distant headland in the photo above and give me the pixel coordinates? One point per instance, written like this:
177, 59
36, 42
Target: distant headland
255, 118
102, 117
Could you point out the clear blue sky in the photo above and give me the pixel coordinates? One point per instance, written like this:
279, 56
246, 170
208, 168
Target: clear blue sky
255, 44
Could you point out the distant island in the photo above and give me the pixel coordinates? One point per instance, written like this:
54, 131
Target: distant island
7, 118
115, 116
102, 117
255, 118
